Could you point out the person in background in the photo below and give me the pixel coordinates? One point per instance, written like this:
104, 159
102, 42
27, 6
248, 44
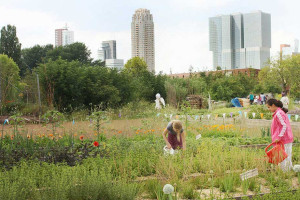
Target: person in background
281, 130
258, 99
266, 98
263, 98
255, 99
251, 97
285, 100
176, 135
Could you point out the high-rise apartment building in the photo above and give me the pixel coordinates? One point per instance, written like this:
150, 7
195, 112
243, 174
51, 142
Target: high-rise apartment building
114, 63
289, 50
108, 50
142, 37
239, 40
296, 46
63, 37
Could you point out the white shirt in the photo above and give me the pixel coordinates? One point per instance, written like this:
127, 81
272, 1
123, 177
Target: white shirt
285, 102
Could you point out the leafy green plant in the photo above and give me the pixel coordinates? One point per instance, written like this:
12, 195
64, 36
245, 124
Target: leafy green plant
54, 118
16, 120
229, 182
99, 118
188, 192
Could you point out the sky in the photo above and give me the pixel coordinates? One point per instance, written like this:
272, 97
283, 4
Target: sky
180, 26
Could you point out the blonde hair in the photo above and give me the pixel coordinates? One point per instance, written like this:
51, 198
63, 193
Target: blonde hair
177, 124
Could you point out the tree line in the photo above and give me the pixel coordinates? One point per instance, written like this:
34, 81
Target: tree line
70, 78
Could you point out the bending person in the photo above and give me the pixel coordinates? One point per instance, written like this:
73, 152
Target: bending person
176, 135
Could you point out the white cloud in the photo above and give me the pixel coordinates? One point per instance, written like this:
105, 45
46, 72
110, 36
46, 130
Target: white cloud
33, 27
280, 37
181, 47
200, 4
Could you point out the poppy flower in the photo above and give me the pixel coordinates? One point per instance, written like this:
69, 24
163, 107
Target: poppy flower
96, 144
81, 137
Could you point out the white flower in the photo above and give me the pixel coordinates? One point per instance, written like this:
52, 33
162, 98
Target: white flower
168, 189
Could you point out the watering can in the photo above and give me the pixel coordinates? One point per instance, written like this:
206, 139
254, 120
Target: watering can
277, 154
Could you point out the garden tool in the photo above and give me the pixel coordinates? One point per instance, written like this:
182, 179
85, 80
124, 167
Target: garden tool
277, 154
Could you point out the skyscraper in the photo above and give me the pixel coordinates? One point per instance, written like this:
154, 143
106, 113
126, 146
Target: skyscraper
63, 37
296, 46
142, 37
240, 40
108, 50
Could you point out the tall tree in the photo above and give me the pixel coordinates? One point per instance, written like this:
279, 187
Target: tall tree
9, 79
9, 43
135, 66
282, 73
33, 56
76, 51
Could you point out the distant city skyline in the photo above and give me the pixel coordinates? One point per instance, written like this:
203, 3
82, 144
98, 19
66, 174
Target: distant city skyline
181, 27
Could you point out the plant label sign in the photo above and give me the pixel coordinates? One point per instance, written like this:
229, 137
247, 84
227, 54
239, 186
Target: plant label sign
249, 174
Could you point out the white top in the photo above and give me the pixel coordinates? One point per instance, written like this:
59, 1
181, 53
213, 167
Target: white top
285, 102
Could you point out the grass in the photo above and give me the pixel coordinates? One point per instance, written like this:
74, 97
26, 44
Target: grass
132, 148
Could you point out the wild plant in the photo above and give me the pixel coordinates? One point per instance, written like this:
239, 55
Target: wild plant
54, 118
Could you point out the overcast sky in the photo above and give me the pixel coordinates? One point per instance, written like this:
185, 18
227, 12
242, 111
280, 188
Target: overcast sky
180, 26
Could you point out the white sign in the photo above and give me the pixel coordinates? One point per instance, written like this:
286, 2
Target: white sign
249, 174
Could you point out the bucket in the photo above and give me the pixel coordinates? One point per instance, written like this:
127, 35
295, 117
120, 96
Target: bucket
168, 151
277, 154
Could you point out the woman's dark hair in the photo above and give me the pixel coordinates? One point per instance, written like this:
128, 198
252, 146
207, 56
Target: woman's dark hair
277, 103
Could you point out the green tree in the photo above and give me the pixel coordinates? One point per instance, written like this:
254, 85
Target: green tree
33, 56
135, 66
269, 81
9, 43
293, 65
76, 51
62, 83
282, 74
9, 79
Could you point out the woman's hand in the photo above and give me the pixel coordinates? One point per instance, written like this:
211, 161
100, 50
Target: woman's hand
169, 146
276, 141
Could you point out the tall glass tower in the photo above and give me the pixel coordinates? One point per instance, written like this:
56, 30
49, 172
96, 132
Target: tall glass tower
239, 40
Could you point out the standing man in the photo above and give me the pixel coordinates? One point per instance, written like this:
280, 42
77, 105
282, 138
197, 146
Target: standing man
285, 101
263, 98
251, 97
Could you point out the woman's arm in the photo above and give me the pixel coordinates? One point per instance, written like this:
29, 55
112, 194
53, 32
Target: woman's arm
183, 141
165, 138
283, 129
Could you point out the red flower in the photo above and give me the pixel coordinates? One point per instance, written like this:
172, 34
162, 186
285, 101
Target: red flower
96, 144
81, 137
